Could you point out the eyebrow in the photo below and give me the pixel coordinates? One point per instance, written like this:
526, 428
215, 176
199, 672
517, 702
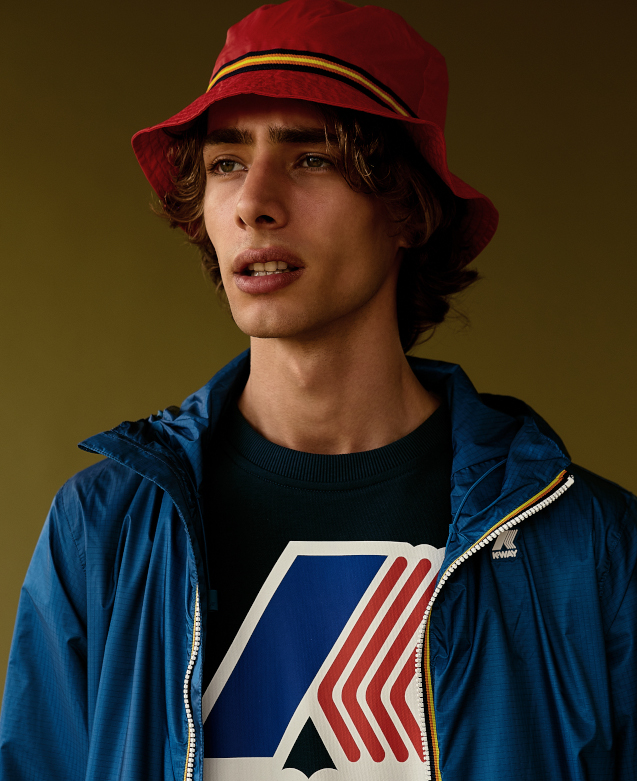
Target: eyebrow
277, 135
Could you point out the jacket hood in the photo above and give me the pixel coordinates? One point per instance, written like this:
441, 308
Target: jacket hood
489, 432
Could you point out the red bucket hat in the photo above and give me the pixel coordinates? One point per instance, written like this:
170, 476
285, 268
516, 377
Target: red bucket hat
330, 52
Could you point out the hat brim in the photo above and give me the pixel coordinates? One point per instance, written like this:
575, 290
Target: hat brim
151, 144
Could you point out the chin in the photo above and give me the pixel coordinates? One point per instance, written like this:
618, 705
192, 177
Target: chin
271, 322
303, 322
266, 328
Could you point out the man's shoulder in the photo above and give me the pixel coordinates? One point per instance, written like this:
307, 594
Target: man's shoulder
609, 504
602, 488
608, 509
594, 521
594, 487
98, 494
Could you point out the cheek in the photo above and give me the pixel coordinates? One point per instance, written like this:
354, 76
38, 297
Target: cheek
369, 230
210, 215
217, 216
341, 216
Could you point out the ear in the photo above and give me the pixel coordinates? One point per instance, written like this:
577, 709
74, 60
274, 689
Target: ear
402, 241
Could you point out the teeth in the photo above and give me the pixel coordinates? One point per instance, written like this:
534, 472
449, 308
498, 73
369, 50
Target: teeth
271, 265
267, 273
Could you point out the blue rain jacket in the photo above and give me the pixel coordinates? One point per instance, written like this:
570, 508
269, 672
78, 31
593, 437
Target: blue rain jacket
529, 664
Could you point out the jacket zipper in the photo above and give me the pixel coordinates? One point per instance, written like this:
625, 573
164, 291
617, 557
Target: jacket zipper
192, 737
425, 689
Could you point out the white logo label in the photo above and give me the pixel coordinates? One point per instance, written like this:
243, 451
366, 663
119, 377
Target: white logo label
505, 540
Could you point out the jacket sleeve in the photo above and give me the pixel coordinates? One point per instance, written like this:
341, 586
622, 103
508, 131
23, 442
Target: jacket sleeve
44, 724
619, 597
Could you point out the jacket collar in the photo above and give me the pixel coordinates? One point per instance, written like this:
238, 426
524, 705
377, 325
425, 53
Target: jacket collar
168, 448
484, 436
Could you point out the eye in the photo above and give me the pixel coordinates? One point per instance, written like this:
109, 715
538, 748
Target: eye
220, 167
315, 161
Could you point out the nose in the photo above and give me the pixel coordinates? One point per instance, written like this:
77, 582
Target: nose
262, 202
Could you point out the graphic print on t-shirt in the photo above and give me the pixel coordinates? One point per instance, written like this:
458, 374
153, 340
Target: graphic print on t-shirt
320, 680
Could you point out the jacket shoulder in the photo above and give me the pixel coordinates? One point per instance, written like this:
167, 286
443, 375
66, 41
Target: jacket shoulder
606, 497
611, 512
94, 503
103, 483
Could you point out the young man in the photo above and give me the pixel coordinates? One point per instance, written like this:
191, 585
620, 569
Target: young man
333, 561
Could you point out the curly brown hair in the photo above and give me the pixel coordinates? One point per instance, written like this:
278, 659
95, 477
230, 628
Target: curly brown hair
377, 156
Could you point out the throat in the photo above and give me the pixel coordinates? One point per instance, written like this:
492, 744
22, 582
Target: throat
350, 416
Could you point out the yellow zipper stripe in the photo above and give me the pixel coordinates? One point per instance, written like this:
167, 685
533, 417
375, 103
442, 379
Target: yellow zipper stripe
524, 506
435, 760
508, 517
315, 62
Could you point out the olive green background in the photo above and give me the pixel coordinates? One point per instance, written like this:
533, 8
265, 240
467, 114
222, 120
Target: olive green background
106, 315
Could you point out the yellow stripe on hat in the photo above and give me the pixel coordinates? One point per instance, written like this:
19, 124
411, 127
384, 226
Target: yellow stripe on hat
311, 62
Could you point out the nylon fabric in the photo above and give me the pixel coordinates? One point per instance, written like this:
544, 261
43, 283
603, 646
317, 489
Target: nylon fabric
532, 656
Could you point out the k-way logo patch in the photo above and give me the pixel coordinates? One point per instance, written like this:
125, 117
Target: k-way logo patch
504, 547
320, 681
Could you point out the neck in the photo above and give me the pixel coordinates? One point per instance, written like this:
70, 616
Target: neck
333, 395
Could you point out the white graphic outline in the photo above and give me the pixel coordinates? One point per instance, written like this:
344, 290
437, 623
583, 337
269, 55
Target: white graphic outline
364, 769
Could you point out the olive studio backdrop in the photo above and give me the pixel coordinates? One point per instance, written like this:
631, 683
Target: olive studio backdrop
106, 316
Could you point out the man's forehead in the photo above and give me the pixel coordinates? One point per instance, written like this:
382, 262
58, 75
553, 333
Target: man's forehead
253, 112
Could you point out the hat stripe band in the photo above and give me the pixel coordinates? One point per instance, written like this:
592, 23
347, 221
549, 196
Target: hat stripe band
306, 69
347, 66
313, 64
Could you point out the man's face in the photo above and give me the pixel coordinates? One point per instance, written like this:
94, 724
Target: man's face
274, 196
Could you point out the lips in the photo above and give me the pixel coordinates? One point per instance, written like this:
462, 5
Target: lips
275, 278
265, 255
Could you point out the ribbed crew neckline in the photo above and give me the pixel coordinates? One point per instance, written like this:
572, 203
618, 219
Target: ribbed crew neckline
432, 436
